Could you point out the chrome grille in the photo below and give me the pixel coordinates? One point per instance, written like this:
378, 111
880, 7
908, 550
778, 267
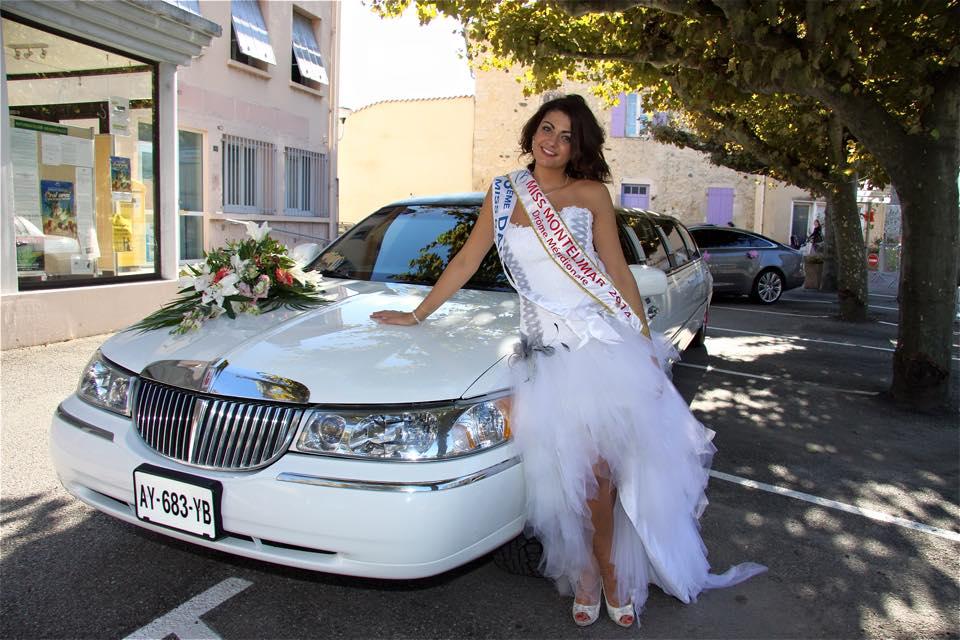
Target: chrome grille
212, 432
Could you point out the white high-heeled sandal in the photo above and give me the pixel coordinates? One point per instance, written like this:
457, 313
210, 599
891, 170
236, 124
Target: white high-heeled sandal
618, 613
591, 611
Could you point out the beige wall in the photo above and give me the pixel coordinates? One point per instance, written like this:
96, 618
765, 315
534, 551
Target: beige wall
219, 96
403, 148
38, 317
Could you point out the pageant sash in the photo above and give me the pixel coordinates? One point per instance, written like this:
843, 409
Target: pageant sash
564, 249
504, 200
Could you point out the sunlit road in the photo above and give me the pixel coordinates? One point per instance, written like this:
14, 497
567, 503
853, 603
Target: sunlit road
854, 508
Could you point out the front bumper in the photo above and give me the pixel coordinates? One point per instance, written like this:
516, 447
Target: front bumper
351, 517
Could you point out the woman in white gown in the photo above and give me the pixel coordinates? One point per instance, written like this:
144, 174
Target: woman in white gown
615, 463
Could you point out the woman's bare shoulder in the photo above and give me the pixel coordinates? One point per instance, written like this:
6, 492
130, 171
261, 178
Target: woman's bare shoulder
594, 193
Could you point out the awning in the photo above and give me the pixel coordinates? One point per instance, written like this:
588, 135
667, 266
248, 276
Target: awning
307, 51
251, 31
150, 29
193, 6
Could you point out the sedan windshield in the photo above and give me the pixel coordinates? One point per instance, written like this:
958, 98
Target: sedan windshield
411, 244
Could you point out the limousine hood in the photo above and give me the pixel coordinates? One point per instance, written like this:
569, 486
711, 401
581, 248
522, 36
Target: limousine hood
336, 353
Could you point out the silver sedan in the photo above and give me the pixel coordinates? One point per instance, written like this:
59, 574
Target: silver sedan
747, 263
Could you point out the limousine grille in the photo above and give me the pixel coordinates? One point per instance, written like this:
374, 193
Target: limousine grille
210, 432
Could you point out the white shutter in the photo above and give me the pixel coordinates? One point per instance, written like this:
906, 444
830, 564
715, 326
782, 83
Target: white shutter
307, 51
251, 30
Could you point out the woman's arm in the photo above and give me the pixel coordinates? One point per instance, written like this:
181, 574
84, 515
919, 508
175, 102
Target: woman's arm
460, 269
607, 241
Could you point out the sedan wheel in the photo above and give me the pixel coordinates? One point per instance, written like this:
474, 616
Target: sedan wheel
768, 287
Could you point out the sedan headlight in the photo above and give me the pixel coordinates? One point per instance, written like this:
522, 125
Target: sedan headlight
105, 385
409, 434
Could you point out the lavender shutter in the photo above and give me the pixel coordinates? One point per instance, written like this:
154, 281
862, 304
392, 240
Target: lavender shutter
631, 117
719, 205
618, 117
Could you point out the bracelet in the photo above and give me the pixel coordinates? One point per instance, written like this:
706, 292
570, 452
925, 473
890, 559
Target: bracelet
414, 314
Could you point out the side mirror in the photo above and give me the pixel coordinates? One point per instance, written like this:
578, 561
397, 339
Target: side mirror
304, 254
650, 280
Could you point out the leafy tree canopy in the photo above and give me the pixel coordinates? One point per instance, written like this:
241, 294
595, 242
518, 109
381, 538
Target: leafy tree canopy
885, 60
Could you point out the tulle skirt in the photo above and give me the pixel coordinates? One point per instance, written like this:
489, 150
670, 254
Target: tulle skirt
574, 408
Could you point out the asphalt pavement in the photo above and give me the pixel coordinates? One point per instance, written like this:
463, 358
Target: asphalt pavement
851, 501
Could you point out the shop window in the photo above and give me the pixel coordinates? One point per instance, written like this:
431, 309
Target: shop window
248, 176
307, 66
190, 169
83, 157
249, 39
305, 187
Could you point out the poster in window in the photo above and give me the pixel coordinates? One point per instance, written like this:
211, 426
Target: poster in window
119, 116
119, 174
29, 253
59, 216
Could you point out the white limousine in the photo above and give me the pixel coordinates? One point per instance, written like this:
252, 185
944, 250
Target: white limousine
319, 439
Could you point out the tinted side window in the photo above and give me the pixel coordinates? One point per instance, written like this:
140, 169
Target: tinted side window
760, 243
653, 251
715, 238
627, 245
675, 242
687, 240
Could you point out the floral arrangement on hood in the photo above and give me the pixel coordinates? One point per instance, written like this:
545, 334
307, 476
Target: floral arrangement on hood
254, 275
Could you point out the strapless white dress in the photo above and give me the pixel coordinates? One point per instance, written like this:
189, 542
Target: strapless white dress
586, 390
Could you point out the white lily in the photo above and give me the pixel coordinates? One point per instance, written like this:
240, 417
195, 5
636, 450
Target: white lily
218, 291
238, 264
305, 277
187, 279
257, 232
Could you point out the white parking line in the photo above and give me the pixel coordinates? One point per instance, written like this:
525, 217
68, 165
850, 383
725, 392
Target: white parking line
184, 621
840, 506
869, 306
798, 338
773, 313
759, 376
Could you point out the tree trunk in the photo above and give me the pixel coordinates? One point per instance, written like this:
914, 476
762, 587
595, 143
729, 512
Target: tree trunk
851, 259
927, 186
828, 278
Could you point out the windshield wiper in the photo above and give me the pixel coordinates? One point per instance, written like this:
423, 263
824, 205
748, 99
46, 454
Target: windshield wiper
336, 273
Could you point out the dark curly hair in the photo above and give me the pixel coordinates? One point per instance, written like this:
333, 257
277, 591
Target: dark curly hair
586, 143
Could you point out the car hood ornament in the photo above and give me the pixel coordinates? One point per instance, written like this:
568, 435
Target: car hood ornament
219, 378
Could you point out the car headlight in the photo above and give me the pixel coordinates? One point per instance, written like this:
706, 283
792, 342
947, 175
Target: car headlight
432, 433
105, 385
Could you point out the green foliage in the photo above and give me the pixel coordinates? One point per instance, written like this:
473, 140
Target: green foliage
884, 60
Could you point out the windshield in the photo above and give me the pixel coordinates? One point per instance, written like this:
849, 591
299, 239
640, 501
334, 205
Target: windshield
411, 244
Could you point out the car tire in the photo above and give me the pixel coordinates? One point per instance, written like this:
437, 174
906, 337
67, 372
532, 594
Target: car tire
521, 556
768, 287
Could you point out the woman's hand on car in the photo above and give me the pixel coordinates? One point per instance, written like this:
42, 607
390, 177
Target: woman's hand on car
403, 318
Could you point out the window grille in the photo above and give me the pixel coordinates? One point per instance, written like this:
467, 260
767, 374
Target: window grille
306, 175
248, 176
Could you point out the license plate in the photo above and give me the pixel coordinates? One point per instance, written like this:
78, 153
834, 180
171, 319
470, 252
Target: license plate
177, 500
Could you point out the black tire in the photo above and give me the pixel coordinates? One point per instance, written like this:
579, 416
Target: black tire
521, 556
768, 286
